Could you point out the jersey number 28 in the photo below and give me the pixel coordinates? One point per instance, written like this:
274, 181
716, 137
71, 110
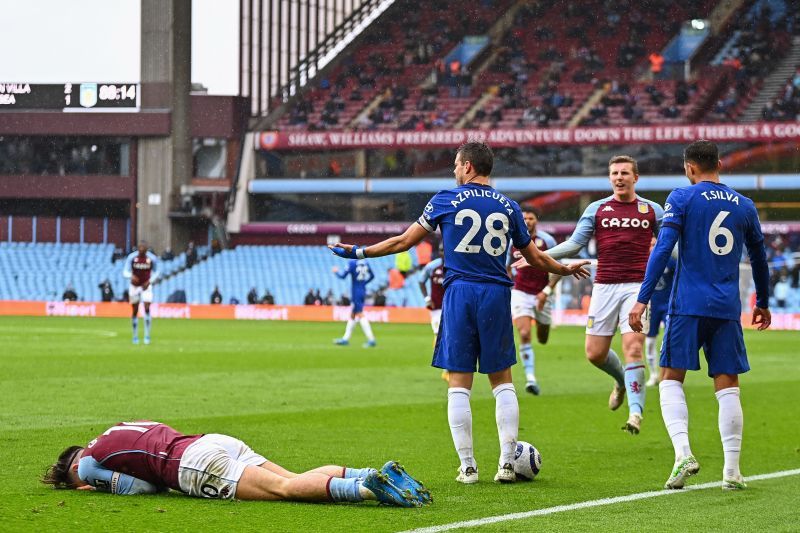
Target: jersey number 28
717, 231
492, 232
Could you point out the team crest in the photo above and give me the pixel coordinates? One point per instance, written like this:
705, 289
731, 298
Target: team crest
88, 94
644, 208
539, 242
590, 322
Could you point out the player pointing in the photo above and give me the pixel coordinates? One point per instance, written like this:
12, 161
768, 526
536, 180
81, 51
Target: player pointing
141, 267
711, 224
623, 225
478, 225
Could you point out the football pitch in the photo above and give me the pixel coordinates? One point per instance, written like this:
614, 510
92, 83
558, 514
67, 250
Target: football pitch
297, 399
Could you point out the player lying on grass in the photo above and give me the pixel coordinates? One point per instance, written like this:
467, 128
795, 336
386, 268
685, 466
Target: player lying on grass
146, 457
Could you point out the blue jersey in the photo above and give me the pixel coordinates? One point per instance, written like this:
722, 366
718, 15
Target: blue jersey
663, 288
478, 226
712, 224
360, 274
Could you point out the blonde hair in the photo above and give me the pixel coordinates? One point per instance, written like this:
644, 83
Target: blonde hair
624, 159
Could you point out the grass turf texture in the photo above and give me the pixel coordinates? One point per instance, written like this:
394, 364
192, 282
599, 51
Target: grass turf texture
302, 402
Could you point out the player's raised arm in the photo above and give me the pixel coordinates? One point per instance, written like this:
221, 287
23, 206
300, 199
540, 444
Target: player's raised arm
399, 243
580, 237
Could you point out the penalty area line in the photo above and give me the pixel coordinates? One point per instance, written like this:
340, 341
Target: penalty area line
591, 503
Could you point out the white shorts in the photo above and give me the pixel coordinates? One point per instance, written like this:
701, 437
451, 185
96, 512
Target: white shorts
138, 293
609, 308
436, 318
212, 466
524, 304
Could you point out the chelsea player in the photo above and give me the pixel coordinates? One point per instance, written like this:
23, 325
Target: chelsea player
478, 225
360, 275
711, 224
659, 304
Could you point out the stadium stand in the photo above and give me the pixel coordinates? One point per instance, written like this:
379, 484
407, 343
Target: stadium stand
287, 271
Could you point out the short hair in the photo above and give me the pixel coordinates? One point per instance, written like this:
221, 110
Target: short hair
58, 473
624, 159
479, 154
531, 209
704, 154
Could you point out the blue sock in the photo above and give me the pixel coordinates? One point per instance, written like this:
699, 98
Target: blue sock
147, 322
528, 360
135, 322
344, 490
634, 382
350, 473
613, 367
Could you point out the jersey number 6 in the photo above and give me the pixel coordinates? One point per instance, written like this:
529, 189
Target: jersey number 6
715, 231
493, 233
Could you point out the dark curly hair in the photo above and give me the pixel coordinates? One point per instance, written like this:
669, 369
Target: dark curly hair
58, 474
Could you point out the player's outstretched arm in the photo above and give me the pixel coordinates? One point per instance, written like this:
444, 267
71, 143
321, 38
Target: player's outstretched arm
399, 243
536, 258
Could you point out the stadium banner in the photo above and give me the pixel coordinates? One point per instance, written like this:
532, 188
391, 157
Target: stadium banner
307, 313
509, 138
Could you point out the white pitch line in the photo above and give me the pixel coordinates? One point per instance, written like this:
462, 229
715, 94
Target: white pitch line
590, 503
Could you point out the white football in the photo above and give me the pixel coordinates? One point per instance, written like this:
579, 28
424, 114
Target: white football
527, 460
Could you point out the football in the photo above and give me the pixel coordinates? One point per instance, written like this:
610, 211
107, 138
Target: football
527, 461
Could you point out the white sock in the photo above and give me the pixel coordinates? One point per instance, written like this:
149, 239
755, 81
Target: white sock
507, 415
675, 413
459, 415
348, 330
650, 353
731, 421
366, 328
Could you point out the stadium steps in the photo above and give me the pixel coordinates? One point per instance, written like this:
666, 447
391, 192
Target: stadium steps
590, 102
773, 83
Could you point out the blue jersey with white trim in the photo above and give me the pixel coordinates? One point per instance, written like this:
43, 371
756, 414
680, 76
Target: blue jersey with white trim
360, 275
715, 224
478, 226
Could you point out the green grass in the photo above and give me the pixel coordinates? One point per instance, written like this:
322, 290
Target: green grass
288, 392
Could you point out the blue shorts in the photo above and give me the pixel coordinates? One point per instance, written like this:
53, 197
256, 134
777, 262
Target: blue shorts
358, 305
476, 332
721, 339
658, 314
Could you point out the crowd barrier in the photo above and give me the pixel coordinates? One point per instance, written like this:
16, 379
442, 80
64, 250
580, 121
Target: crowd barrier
309, 313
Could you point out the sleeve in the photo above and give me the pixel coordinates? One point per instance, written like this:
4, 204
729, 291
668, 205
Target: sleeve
754, 241
371, 275
674, 210
155, 271
519, 231
549, 240
658, 262
433, 212
579, 238
425, 275
341, 274
659, 211
106, 480
127, 270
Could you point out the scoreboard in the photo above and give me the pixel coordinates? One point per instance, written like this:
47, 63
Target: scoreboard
69, 96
